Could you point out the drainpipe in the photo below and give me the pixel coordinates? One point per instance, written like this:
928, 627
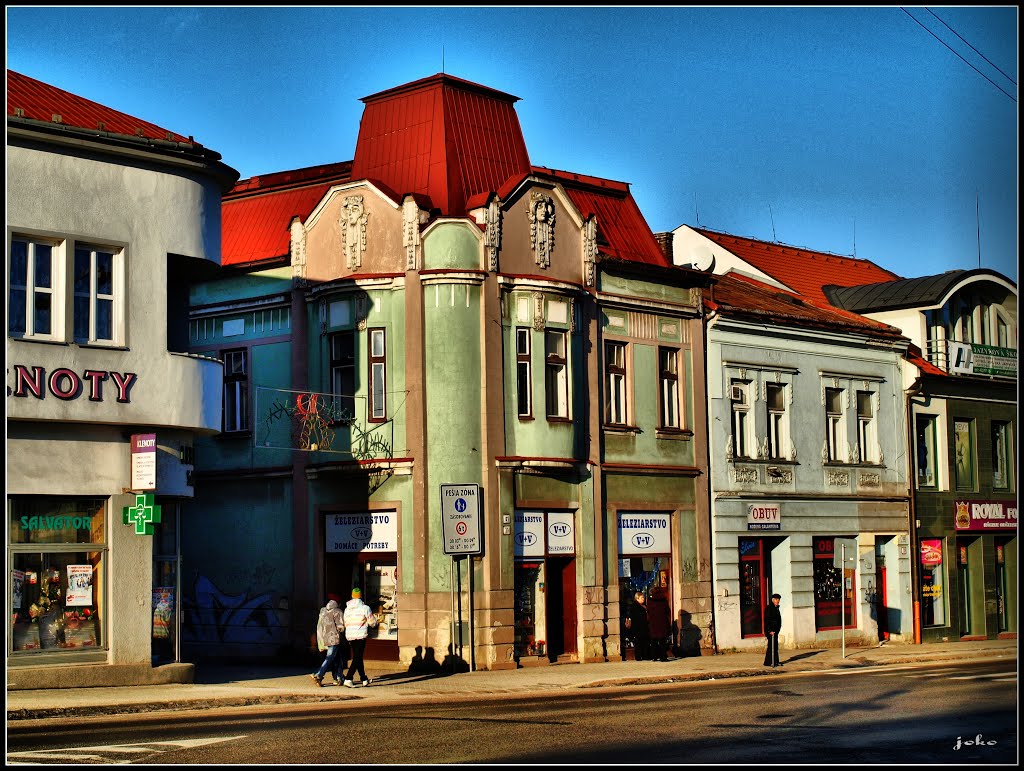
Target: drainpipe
705, 321
915, 554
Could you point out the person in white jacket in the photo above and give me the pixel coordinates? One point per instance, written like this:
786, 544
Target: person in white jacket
358, 620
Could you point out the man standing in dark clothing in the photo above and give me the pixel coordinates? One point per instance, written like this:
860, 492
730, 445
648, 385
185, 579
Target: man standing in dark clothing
659, 622
772, 627
638, 627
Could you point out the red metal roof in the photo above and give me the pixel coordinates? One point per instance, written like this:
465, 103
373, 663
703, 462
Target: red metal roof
804, 270
35, 100
257, 212
443, 137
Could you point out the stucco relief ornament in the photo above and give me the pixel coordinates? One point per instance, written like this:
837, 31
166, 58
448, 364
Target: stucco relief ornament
492, 233
542, 227
410, 233
589, 250
298, 249
353, 230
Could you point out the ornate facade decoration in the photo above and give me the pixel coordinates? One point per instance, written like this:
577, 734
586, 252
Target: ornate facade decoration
542, 227
589, 251
538, 310
298, 249
353, 230
745, 474
410, 233
780, 476
837, 477
492, 233
869, 479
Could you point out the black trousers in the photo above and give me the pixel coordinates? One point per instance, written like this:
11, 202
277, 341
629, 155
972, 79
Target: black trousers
771, 655
358, 647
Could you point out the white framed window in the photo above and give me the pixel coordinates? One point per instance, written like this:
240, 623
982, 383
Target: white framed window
236, 390
615, 382
866, 442
34, 299
96, 289
778, 421
742, 432
668, 390
835, 429
926, 430
556, 374
378, 377
524, 373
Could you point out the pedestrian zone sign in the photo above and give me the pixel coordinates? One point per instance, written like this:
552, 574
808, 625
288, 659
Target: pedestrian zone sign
460, 519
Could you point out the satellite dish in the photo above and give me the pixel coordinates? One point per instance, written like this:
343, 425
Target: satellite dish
702, 258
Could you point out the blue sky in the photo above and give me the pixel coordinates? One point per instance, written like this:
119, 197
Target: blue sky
850, 130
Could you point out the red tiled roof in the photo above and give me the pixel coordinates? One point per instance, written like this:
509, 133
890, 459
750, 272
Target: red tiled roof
805, 270
440, 136
257, 212
733, 295
35, 100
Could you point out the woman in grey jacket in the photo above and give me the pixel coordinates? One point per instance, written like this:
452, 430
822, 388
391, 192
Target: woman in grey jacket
329, 638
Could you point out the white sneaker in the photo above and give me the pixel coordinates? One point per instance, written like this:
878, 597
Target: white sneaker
367, 681
349, 684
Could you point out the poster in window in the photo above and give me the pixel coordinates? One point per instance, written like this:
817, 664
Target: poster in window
79, 585
163, 611
17, 588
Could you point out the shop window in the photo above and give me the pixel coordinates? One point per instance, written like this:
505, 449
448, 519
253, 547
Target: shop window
834, 604
1002, 455
933, 593
58, 562
963, 443
530, 616
236, 390
524, 374
927, 469
778, 421
556, 374
668, 391
615, 383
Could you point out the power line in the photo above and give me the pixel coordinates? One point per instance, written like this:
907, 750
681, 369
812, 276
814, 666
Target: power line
961, 57
979, 53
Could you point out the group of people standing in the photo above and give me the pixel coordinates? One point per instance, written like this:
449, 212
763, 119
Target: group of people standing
650, 623
340, 634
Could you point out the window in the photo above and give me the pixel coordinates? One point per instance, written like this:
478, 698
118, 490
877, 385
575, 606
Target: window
835, 433
95, 305
378, 392
668, 392
933, 599
615, 383
556, 375
927, 470
343, 376
777, 423
57, 556
524, 386
742, 436
236, 390
1002, 455
865, 427
834, 604
33, 300
963, 443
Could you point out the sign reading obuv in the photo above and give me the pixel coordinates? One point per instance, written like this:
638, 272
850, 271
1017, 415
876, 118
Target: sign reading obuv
460, 519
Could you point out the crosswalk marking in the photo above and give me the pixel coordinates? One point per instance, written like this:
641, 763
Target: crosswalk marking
103, 752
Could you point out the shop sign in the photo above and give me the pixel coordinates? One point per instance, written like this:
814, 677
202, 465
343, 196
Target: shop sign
644, 533
143, 515
931, 552
67, 385
528, 534
561, 533
985, 515
991, 360
143, 462
764, 516
363, 531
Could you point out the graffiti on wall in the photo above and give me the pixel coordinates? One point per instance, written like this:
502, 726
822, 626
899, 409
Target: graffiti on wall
213, 617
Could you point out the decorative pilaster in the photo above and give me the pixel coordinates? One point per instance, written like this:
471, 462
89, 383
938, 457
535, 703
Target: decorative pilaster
492, 233
542, 227
589, 251
353, 230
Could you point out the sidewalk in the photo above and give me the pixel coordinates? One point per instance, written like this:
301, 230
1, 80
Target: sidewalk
225, 686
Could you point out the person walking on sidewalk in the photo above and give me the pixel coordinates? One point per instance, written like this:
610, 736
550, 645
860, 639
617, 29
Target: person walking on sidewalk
772, 627
329, 639
358, 620
659, 622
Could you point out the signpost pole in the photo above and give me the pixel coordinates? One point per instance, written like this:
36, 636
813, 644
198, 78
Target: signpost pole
451, 647
842, 607
472, 644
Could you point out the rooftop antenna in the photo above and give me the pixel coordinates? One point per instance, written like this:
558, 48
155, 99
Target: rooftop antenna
695, 211
442, 60
770, 214
855, 237
977, 219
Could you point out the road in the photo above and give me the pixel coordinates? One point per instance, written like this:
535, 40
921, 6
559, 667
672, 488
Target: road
952, 714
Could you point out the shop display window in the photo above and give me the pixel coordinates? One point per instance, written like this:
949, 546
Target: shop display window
530, 621
56, 597
833, 589
381, 594
933, 594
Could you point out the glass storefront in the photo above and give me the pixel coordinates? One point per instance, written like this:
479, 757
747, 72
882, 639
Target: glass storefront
834, 605
933, 594
57, 563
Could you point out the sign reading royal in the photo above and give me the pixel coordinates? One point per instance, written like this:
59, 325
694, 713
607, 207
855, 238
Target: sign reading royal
764, 516
985, 515
642, 532
362, 531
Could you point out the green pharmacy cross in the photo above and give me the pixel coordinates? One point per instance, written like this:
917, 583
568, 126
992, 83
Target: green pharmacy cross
144, 514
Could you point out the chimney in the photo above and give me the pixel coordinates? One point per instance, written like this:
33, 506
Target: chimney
665, 242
